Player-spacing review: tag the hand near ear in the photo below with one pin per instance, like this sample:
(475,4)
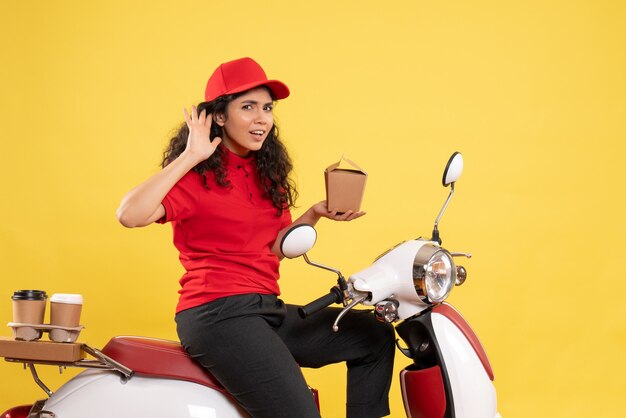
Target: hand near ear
(199,143)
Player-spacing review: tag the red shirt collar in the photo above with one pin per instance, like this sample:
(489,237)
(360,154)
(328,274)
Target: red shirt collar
(236,161)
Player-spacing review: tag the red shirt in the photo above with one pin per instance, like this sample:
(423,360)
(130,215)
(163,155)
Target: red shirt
(224,234)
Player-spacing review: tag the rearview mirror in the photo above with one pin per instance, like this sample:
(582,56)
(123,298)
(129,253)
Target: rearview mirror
(453,170)
(298,240)
(451,174)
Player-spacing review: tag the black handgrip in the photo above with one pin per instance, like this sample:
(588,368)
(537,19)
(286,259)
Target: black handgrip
(334,296)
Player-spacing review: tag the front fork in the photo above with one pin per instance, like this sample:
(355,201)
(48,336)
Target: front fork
(426,388)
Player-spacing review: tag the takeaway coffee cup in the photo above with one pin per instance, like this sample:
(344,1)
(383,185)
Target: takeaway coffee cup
(65,309)
(29,306)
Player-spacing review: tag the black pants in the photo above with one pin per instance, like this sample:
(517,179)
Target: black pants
(255,344)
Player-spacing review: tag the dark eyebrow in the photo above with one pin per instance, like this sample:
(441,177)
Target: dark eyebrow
(254,102)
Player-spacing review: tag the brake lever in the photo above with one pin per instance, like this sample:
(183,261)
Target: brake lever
(345,310)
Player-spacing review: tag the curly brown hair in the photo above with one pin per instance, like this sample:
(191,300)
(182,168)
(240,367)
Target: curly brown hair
(273,164)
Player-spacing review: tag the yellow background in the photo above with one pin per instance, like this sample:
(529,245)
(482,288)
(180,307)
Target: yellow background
(532,93)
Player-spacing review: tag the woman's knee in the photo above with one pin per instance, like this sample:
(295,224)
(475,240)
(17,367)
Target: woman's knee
(377,330)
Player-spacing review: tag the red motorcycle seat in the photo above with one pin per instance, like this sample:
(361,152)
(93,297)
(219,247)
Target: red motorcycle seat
(159,358)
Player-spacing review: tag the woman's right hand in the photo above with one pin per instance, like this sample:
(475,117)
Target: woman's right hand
(199,143)
(143,204)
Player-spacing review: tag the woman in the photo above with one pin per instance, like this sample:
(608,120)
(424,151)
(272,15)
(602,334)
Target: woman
(224,187)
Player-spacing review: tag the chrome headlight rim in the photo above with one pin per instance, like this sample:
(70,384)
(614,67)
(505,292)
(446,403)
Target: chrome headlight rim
(425,255)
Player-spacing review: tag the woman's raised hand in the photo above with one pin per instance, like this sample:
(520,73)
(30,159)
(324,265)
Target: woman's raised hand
(199,142)
(321,210)
(143,204)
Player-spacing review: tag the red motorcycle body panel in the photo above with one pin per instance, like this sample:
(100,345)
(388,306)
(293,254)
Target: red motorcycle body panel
(159,358)
(17,412)
(163,358)
(423,393)
(456,318)
(316,396)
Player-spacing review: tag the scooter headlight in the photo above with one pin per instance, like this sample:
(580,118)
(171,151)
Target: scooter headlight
(434,273)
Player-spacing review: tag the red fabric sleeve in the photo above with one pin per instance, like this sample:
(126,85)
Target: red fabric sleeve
(181,201)
(285,219)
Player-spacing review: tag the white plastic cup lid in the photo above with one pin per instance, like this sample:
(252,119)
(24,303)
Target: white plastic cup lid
(67,298)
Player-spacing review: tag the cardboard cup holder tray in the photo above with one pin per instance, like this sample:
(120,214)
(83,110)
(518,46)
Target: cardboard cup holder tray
(32,332)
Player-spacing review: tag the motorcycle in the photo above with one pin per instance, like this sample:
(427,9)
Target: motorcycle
(450,375)
(407,285)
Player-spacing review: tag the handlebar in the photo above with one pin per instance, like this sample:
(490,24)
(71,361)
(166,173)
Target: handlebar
(334,296)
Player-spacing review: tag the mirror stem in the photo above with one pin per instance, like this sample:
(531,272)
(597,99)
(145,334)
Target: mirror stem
(445,205)
(324,267)
(341,281)
(435,236)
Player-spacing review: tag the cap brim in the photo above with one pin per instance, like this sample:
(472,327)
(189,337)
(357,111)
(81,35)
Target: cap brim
(278,88)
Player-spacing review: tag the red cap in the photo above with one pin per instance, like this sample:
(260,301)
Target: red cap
(241,75)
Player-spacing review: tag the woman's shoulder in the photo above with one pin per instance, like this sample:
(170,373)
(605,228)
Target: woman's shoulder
(193,179)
